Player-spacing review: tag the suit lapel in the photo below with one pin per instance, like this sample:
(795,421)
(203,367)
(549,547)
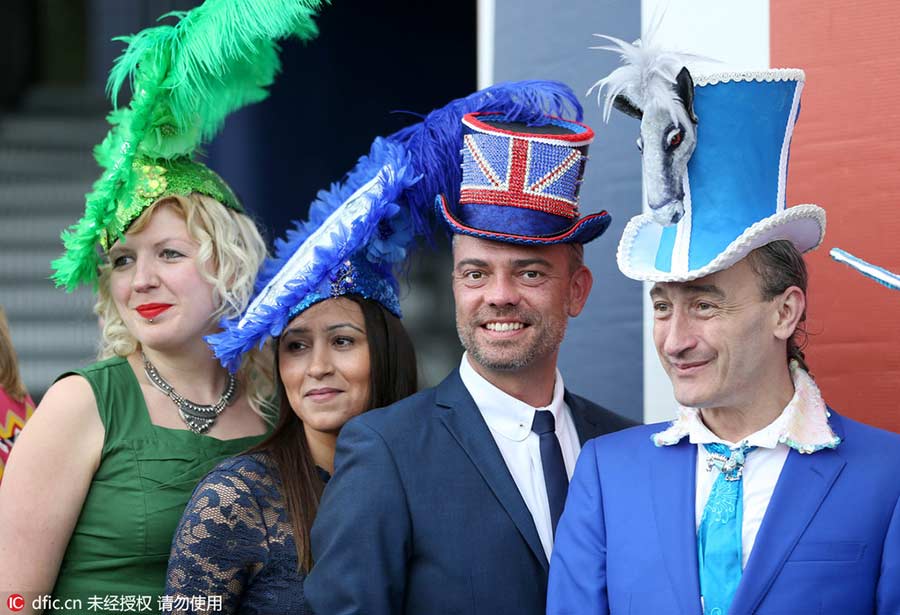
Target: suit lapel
(674,483)
(585,425)
(804,482)
(465,423)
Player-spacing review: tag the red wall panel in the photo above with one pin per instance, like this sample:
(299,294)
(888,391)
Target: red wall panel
(846,157)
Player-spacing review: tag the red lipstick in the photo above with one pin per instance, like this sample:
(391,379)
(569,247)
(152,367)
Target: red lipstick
(152,310)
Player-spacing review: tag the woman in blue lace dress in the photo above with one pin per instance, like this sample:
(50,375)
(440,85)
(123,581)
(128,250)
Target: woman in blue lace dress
(243,543)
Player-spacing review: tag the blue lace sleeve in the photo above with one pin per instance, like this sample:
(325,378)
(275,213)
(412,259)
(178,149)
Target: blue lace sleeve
(220,544)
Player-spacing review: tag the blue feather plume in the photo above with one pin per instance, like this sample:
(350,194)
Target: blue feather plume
(381,153)
(260,321)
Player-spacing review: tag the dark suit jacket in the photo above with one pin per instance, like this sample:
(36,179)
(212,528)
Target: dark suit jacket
(829,541)
(422,516)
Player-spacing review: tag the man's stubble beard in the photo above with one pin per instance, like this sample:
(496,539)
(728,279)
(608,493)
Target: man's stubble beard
(548,341)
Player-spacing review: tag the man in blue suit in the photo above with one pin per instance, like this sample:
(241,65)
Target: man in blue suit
(757,498)
(447,502)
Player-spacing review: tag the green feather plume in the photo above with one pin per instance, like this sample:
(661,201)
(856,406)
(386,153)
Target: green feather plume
(185,78)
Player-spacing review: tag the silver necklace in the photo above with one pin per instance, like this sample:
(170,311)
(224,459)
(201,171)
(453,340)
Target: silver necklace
(198,417)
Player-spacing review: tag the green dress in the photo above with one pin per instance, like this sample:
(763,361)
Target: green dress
(120,545)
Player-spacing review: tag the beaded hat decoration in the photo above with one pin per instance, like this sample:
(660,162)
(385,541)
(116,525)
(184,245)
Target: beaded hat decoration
(715,151)
(155,179)
(520,183)
(185,79)
(361,230)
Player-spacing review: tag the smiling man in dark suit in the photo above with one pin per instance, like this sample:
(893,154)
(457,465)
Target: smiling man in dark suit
(447,502)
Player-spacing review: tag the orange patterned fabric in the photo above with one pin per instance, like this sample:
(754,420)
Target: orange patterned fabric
(13,415)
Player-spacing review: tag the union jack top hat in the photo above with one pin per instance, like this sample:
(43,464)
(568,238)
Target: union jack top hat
(520,183)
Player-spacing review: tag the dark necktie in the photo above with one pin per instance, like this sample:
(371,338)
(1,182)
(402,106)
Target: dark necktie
(555,477)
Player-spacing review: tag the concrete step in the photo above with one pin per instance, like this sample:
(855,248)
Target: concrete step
(36,230)
(62,100)
(52,132)
(45,195)
(42,301)
(29,265)
(48,339)
(20,163)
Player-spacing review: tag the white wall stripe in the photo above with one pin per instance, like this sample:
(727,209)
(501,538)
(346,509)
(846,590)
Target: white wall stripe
(486,24)
(736,33)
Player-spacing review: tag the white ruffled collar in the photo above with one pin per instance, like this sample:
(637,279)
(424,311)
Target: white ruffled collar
(803,425)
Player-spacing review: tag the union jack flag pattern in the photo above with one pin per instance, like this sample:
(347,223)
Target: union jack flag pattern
(520,183)
(532,171)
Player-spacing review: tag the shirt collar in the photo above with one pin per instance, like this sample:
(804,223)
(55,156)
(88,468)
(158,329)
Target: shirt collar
(802,425)
(503,413)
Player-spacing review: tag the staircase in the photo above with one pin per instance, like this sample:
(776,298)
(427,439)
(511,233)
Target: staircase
(46,168)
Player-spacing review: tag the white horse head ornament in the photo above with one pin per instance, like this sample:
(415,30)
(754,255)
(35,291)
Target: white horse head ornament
(655,87)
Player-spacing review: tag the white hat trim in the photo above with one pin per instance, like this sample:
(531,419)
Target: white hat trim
(764,231)
(786,147)
(769,75)
(681,250)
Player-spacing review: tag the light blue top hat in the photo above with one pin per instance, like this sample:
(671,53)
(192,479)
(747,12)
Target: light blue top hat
(715,151)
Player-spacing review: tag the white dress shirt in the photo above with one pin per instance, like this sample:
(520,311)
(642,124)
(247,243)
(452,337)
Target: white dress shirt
(802,425)
(761,471)
(510,423)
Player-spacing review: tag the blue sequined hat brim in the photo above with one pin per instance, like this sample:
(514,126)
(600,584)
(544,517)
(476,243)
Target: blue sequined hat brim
(581,231)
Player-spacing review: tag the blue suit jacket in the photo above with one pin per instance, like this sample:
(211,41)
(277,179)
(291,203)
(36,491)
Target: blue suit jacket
(422,515)
(829,541)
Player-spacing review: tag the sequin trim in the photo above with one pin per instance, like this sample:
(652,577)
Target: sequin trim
(157,179)
(353,277)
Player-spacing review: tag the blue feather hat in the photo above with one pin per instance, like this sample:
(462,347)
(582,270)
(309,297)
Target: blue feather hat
(361,229)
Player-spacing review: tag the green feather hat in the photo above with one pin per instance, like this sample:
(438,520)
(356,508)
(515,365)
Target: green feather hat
(185,79)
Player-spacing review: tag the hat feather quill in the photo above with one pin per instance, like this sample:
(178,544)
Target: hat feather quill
(185,79)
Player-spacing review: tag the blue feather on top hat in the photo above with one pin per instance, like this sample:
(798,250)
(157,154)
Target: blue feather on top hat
(715,151)
(361,229)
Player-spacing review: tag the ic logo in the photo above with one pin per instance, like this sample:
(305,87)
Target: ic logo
(15,602)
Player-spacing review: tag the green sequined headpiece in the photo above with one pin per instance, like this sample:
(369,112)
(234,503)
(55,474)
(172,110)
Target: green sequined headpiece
(160,178)
(185,79)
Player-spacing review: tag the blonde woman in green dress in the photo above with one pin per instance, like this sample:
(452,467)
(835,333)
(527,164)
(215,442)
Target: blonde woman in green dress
(99,477)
